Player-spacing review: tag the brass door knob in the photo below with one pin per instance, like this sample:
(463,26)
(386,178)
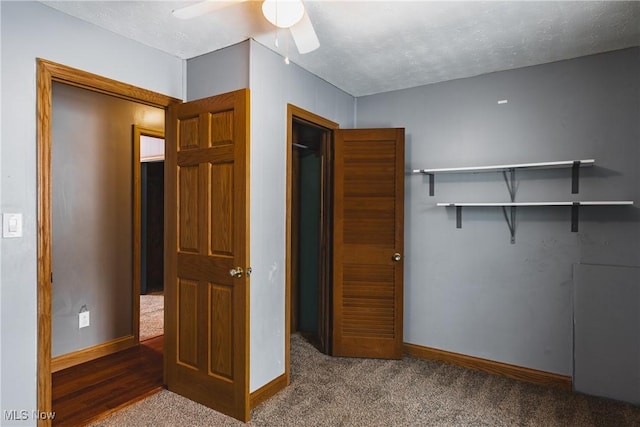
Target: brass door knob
(236,272)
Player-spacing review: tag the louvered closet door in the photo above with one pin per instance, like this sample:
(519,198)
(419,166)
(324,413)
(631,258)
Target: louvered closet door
(207,326)
(368,239)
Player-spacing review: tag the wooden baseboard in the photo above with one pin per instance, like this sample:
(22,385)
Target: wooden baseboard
(268,390)
(77,357)
(511,371)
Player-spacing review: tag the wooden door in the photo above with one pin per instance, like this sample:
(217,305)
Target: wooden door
(368,242)
(207,310)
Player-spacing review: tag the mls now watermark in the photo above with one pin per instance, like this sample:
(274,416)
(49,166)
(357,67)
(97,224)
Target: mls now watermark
(23,414)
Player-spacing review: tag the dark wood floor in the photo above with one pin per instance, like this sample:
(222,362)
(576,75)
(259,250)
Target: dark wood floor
(94,389)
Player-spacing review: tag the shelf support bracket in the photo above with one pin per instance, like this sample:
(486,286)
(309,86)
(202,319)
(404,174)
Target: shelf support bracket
(511,182)
(511,221)
(575,177)
(510,217)
(575,216)
(431,184)
(458,216)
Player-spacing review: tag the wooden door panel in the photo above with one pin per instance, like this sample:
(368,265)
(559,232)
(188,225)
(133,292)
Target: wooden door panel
(199,155)
(189,132)
(369,170)
(207,329)
(188,323)
(367,221)
(369,301)
(197,268)
(367,255)
(188,189)
(222,215)
(222,128)
(221,330)
(368,231)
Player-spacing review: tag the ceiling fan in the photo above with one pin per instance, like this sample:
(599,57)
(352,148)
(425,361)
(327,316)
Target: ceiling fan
(289,14)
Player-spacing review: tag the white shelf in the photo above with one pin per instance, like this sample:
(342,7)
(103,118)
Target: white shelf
(514,204)
(510,180)
(502,168)
(509,174)
(511,216)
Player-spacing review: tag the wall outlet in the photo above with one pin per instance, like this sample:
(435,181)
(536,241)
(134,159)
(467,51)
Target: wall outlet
(83,319)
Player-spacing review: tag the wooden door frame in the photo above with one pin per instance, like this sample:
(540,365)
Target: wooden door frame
(313,119)
(47,73)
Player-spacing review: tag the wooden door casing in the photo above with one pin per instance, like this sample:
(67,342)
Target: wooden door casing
(368,231)
(207,310)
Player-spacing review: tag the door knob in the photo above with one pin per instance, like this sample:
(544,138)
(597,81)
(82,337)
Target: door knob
(236,272)
(397,257)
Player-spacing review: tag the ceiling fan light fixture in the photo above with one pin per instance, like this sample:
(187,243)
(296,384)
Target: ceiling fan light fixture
(283,13)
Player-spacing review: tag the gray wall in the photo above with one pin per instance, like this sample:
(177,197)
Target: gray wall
(30,30)
(273,85)
(469,290)
(222,71)
(607,331)
(92,214)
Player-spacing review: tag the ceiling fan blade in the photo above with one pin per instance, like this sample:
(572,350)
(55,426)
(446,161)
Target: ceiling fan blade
(202,8)
(304,35)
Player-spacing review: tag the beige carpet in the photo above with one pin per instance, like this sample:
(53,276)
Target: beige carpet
(327,391)
(151,316)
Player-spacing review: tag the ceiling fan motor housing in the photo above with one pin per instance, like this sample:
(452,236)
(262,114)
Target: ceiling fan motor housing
(283,13)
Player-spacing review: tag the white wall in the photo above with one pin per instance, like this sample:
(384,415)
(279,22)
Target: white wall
(151,148)
(273,85)
(30,30)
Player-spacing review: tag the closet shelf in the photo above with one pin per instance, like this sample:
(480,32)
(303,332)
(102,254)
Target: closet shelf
(511,216)
(507,204)
(510,180)
(509,174)
(502,168)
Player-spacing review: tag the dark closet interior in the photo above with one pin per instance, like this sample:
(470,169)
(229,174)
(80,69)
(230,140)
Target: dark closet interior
(151,227)
(310,223)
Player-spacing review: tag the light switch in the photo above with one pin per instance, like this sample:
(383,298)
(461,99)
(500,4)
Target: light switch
(11,225)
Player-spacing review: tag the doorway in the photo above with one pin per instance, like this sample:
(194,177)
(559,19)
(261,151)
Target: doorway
(310,232)
(217,157)
(356,178)
(96,170)
(151,293)
(308,241)
(47,74)
(95,220)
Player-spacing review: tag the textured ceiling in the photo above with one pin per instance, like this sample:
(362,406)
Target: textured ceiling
(369,47)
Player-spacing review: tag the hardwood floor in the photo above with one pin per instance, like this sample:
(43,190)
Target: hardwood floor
(94,389)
